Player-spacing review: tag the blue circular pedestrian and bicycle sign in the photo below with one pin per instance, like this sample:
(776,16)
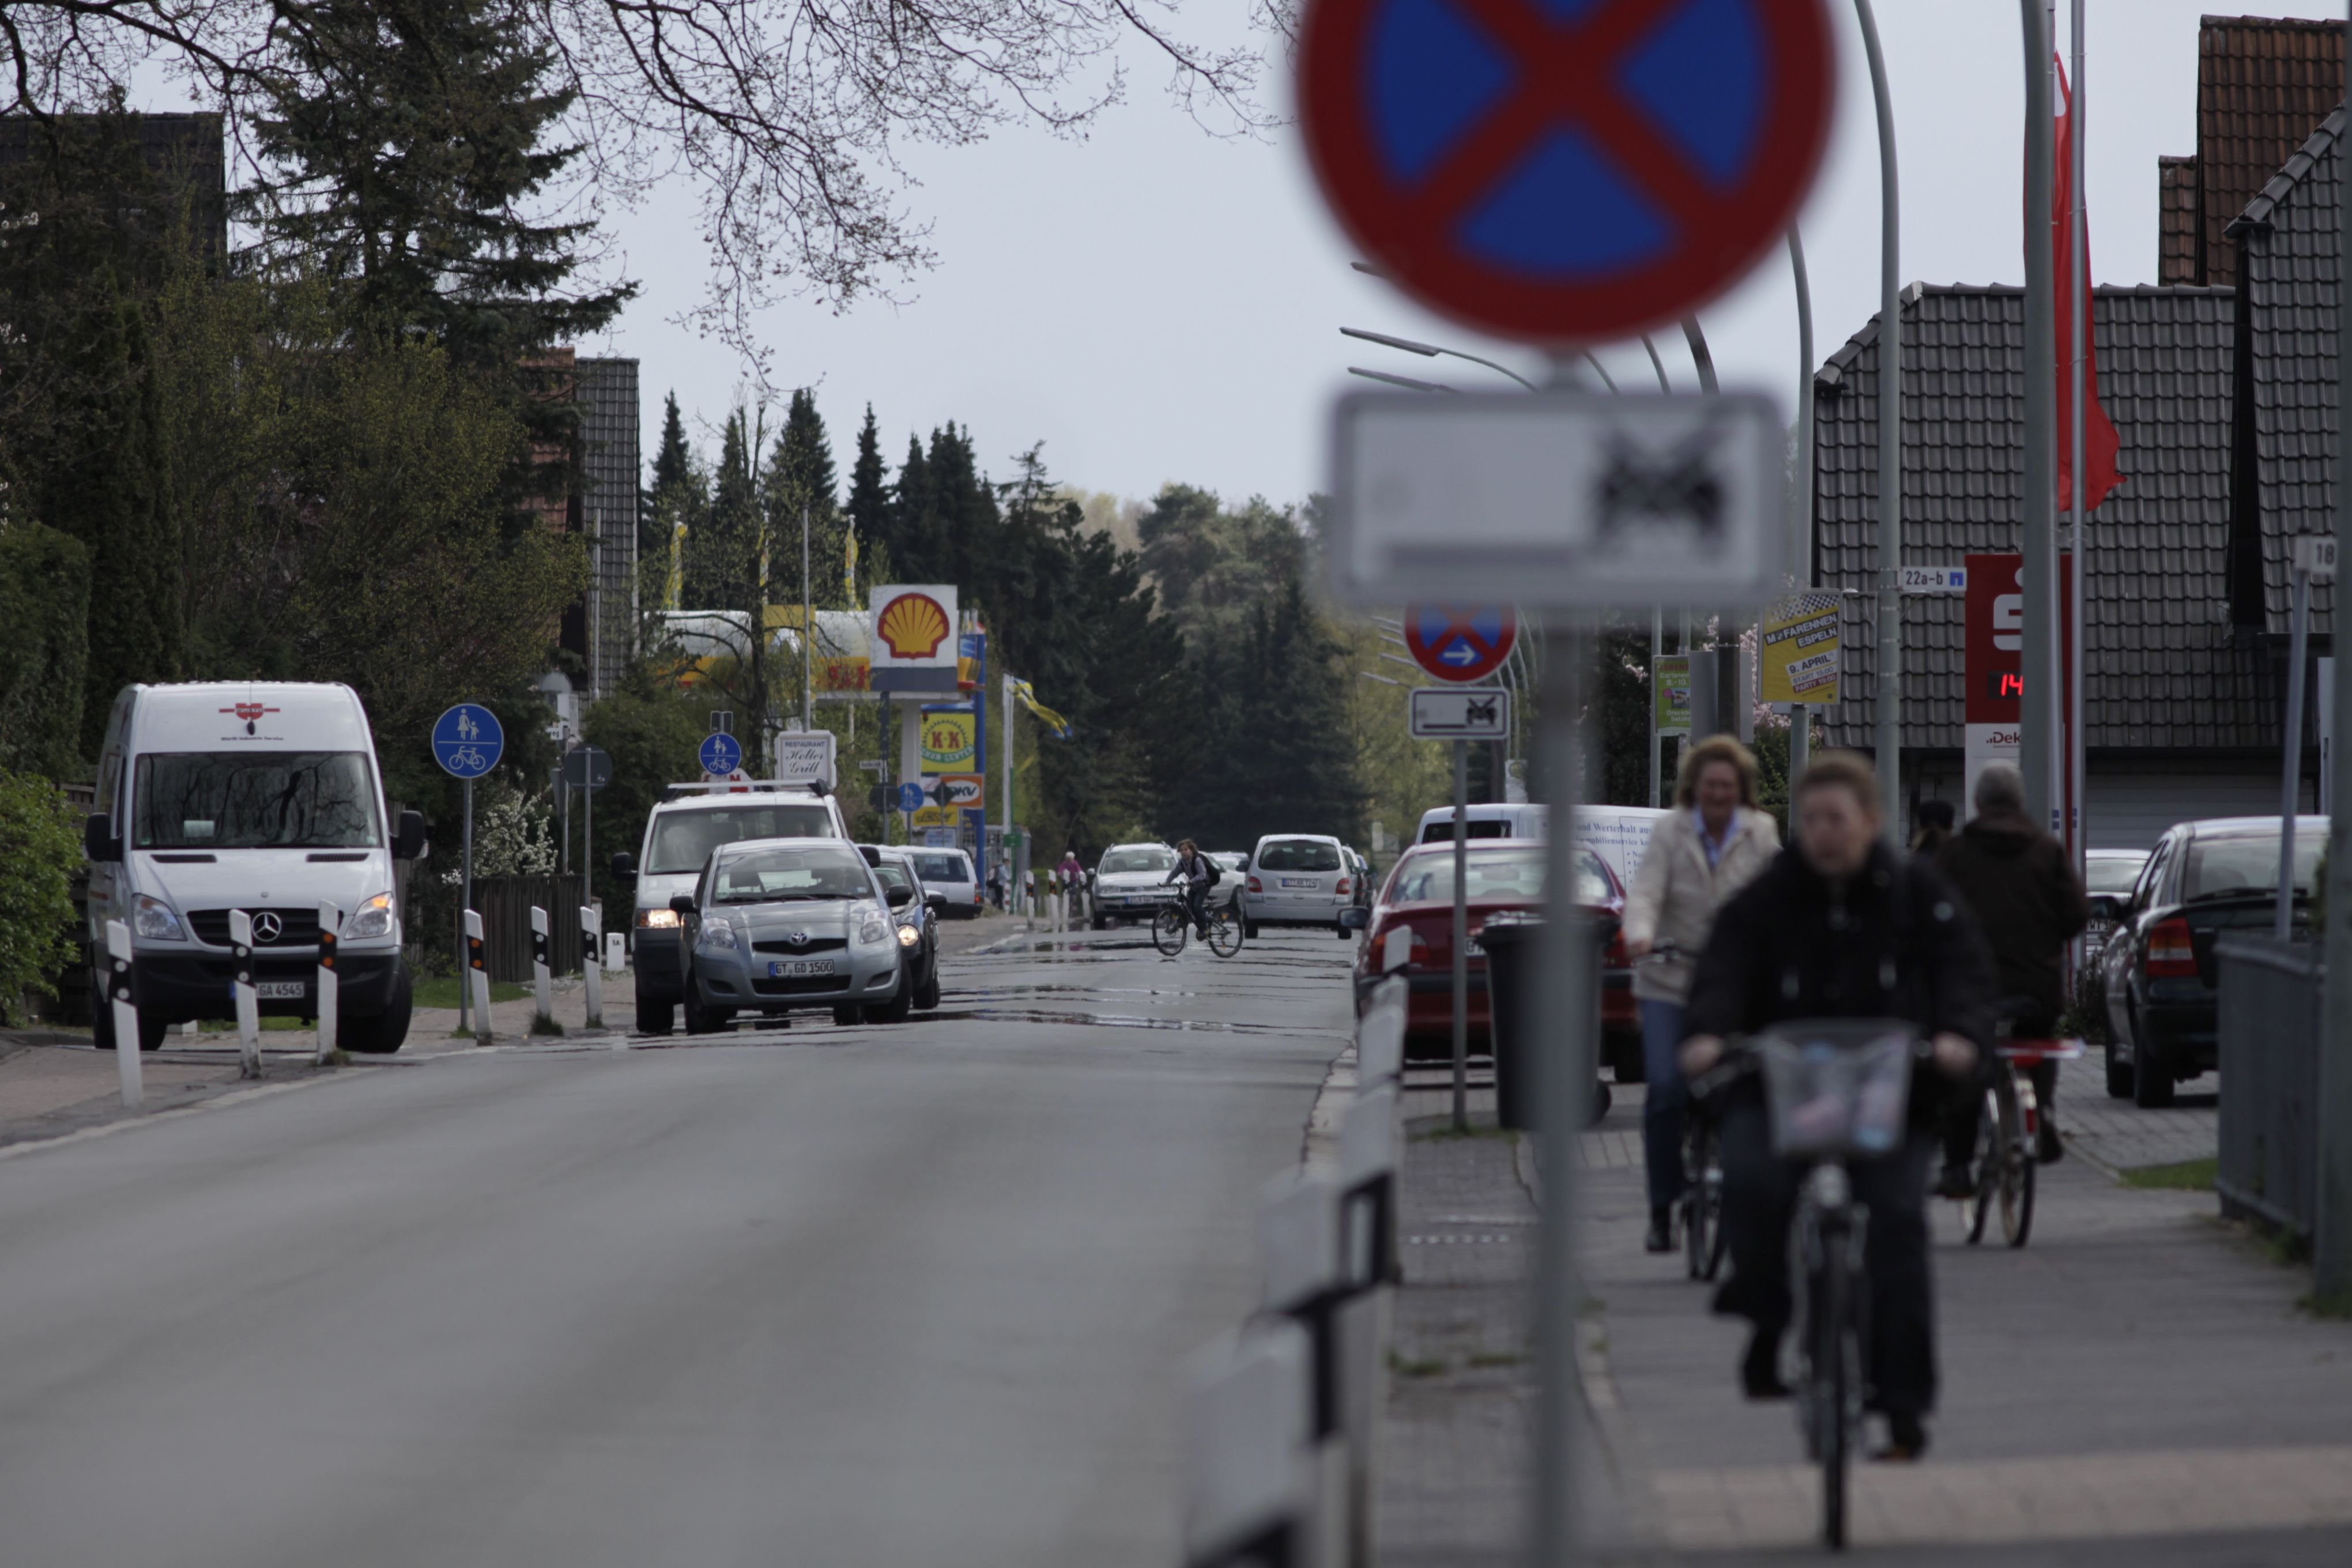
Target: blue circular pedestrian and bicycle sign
(720,754)
(467,741)
(911,798)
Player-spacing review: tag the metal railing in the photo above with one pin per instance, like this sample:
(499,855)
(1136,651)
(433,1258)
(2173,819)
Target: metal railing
(2270,1036)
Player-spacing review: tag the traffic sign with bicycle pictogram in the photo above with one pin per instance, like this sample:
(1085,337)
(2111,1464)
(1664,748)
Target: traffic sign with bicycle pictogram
(467,741)
(1460,642)
(1566,170)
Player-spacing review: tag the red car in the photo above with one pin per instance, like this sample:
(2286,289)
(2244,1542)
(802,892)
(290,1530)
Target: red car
(1503,873)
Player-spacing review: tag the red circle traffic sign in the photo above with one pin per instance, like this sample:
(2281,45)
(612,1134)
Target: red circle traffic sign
(1460,642)
(1564,171)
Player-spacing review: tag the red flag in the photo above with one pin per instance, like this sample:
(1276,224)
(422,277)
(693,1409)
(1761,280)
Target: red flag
(2099,443)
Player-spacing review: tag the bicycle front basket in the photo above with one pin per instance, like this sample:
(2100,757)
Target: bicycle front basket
(1836,1093)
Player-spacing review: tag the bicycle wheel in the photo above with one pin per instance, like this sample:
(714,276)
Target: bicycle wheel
(1698,1223)
(1169,929)
(1224,933)
(1990,1155)
(1720,1242)
(2016,1175)
(1831,1377)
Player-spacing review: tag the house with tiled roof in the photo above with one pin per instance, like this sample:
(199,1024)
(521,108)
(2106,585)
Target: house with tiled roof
(2262,82)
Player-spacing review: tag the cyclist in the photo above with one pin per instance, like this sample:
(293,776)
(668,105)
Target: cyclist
(1840,925)
(2020,884)
(1197,873)
(1712,844)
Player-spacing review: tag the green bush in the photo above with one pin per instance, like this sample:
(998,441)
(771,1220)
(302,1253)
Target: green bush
(44,647)
(38,851)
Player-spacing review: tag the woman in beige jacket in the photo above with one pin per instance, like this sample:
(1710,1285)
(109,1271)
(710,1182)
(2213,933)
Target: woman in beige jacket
(1715,841)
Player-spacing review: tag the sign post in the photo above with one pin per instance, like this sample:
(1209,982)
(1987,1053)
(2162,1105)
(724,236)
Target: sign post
(2315,560)
(588,769)
(467,742)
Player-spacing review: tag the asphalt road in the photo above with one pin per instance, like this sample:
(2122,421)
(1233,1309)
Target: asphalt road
(823,1297)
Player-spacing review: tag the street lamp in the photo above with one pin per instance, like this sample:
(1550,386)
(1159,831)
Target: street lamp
(1408,383)
(1430,350)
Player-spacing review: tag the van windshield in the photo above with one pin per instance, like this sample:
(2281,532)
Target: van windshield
(683,840)
(255,800)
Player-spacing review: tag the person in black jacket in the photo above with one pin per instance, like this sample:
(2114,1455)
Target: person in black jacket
(2019,883)
(1841,925)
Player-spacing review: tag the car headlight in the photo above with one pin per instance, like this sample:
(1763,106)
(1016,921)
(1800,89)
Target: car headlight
(875,931)
(909,936)
(371,919)
(153,918)
(657,920)
(717,932)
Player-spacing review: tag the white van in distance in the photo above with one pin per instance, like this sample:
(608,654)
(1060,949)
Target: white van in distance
(256,796)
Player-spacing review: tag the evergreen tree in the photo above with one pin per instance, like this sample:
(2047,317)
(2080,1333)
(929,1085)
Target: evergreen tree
(800,473)
(914,519)
(413,177)
(677,498)
(964,536)
(869,487)
(722,556)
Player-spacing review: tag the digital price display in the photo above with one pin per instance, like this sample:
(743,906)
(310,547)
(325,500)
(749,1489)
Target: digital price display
(2004,685)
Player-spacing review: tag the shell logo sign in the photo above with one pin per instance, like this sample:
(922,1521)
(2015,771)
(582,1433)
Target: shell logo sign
(914,646)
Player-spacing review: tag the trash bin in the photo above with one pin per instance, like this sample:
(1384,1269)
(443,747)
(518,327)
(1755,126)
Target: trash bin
(1511,943)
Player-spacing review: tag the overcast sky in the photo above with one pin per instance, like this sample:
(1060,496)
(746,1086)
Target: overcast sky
(1158,304)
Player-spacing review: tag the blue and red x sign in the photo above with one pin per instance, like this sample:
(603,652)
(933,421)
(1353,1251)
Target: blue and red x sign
(1460,642)
(1562,171)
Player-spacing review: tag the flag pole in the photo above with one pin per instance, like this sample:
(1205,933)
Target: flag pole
(2078,740)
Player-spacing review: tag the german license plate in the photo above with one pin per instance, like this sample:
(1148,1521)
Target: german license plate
(1299,882)
(799,968)
(281,990)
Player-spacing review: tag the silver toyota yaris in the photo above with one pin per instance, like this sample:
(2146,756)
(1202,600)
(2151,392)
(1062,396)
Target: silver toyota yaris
(779,924)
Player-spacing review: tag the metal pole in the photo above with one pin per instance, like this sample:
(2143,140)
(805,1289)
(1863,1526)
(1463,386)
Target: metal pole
(2079,280)
(1462,942)
(1800,564)
(1656,364)
(2332,1241)
(2039,578)
(1561,1028)
(1700,357)
(1889,694)
(2291,750)
(1657,742)
(465,902)
(1004,847)
(808,627)
(588,837)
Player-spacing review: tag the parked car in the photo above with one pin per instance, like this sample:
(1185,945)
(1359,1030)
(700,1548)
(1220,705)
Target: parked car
(1297,879)
(1503,873)
(2160,977)
(2109,876)
(950,872)
(257,795)
(919,918)
(1131,882)
(683,829)
(776,925)
(1362,880)
(1234,864)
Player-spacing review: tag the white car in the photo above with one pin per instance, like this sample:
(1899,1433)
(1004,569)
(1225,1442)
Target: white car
(1131,882)
(949,872)
(1299,880)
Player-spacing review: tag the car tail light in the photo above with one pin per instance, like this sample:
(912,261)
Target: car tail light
(1256,886)
(1342,889)
(1422,955)
(2171,951)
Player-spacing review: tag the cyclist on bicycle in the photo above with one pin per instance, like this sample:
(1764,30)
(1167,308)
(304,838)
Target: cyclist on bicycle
(1197,875)
(1714,843)
(1840,925)
(2019,883)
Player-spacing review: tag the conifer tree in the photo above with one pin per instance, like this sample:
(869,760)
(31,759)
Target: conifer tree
(677,498)
(800,473)
(914,518)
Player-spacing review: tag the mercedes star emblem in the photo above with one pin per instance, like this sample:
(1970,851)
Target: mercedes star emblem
(268,927)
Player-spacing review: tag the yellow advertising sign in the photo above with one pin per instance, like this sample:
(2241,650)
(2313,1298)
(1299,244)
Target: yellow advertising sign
(1801,649)
(949,743)
(935,816)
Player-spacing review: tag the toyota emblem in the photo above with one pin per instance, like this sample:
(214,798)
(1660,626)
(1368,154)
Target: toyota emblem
(798,939)
(268,927)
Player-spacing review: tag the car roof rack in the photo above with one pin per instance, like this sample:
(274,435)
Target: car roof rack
(743,786)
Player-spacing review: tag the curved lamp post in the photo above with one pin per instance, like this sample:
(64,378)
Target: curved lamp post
(1889,693)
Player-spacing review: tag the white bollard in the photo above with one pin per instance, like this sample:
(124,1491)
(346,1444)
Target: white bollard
(592,962)
(331,983)
(541,990)
(1396,949)
(478,977)
(126,1014)
(248,1007)
(1249,1480)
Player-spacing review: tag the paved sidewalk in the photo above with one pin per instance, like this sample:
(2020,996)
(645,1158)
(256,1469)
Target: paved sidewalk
(2136,1386)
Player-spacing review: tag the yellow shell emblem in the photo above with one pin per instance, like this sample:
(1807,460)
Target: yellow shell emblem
(912,625)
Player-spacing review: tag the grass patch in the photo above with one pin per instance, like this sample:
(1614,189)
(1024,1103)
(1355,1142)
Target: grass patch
(443,993)
(2187,1176)
(1449,1133)
(539,1026)
(1498,1358)
(268,1026)
(1415,1368)
(2338,1307)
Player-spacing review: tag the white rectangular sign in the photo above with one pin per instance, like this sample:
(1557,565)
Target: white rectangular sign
(2315,553)
(1558,499)
(1933,579)
(805,756)
(1461,713)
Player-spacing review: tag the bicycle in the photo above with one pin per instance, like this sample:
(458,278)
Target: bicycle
(1835,1090)
(1700,1208)
(1172,927)
(2009,1127)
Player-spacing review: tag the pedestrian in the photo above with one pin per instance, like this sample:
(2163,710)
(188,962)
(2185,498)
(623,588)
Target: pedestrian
(1072,873)
(2020,882)
(1841,925)
(1714,843)
(1934,829)
(996,886)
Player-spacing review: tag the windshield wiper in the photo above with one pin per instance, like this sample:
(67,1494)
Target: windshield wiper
(2219,893)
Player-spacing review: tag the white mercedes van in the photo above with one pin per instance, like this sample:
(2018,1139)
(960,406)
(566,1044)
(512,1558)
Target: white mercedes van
(257,795)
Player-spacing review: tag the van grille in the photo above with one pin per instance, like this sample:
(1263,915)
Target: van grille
(298,928)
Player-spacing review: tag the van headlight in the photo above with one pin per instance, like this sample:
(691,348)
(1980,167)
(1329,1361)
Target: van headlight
(371,919)
(717,932)
(153,918)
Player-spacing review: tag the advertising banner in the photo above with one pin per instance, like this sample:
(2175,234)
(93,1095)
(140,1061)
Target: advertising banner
(935,817)
(915,642)
(950,740)
(1993,661)
(1801,649)
(1670,690)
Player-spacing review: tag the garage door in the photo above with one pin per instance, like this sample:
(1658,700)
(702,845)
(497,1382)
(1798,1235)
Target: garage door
(2131,809)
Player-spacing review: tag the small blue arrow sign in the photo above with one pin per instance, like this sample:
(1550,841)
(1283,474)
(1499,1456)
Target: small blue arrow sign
(911,798)
(467,741)
(720,755)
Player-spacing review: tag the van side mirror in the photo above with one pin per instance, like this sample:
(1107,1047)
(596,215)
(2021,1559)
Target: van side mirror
(899,898)
(2107,907)
(408,839)
(99,843)
(624,863)
(681,903)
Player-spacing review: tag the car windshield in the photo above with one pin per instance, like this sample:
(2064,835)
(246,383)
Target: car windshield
(942,868)
(683,840)
(1298,855)
(1148,857)
(769,875)
(1496,874)
(2117,876)
(2246,864)
(256,800)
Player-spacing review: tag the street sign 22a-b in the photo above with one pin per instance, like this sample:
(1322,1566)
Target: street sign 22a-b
(1461,713)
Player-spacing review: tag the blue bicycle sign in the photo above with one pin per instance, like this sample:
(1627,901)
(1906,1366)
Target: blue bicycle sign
(720,755)
(467,741)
